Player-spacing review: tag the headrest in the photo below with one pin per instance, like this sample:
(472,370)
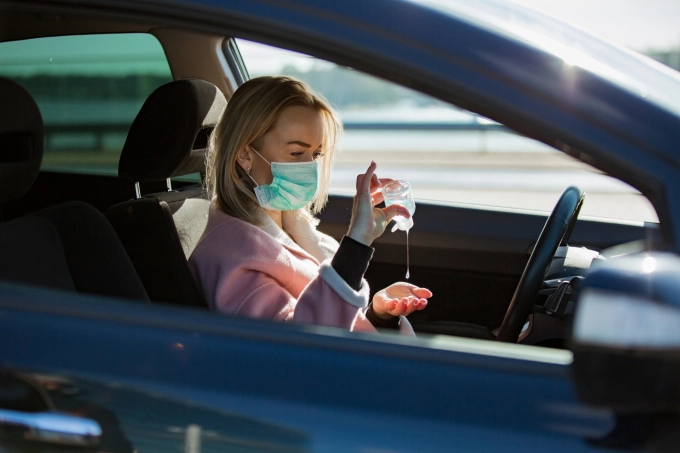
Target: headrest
(169,137)
(21,141)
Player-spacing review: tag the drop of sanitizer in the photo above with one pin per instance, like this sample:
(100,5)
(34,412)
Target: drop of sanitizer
(399,192)
(408,274)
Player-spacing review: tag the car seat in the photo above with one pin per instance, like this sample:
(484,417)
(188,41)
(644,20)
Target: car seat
(68,247)
(168,138)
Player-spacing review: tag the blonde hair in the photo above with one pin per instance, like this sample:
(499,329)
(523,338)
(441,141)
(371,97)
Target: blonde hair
(250,113)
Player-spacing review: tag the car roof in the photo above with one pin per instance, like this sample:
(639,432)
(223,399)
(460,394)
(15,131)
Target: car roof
(629,70)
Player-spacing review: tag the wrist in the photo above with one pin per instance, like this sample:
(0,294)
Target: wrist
(359,237)
(381,323)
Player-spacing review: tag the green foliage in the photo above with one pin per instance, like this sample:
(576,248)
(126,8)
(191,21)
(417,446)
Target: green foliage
(670,58)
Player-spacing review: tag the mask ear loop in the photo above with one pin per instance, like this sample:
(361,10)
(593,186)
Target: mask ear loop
(270,164)
(248,169)
(248,173)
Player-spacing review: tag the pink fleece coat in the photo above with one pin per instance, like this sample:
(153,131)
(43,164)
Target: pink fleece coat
(262,272)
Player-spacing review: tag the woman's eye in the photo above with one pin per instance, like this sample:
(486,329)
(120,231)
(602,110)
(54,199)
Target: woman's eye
(317,155)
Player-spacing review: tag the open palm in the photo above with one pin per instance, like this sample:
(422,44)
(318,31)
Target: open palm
(400,299)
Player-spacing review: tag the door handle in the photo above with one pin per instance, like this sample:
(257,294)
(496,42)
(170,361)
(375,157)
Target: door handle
(52,427)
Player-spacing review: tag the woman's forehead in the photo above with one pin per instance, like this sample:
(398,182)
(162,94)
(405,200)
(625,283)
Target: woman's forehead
(299,124)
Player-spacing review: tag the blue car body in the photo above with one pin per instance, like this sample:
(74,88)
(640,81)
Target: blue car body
(255,386)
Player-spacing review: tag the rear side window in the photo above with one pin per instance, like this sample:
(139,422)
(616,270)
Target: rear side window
(89,88)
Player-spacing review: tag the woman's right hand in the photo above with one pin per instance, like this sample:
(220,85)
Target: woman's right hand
(369,222)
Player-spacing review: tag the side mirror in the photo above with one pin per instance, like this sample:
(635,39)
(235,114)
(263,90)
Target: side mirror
(626,334)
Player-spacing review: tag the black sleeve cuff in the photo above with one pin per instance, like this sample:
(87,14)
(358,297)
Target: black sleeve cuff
(351,261)
(380,323)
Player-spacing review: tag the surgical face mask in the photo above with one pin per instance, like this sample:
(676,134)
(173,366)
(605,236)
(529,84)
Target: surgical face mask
(293,187)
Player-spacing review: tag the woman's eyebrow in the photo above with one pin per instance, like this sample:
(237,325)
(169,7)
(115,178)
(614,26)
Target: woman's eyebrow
(297,142)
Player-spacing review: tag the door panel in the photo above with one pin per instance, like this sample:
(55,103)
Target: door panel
(131,419)
(266,386)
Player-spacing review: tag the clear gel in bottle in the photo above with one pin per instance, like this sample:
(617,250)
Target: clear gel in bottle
(399,192)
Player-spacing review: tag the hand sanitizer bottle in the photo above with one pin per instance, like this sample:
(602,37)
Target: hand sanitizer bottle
(399,192)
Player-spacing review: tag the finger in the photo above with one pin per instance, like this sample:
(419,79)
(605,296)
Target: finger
(360,179)
(366,181)
(375,182)
(395,210)
(383,305)
(390,305)
(422,293)
(377,197)
(411,307)
(377,194)
(400,307)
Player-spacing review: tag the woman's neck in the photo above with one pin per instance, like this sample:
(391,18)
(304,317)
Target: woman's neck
(276,217)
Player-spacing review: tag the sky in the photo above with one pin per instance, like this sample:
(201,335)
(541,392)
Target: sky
(637,24)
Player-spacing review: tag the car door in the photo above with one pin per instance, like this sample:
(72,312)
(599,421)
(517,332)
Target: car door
(168,377)
(164,378)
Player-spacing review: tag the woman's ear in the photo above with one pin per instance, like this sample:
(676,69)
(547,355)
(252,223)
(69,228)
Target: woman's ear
(244,159)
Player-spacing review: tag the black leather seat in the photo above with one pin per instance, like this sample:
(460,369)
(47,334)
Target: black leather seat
(69,247)
(159,230)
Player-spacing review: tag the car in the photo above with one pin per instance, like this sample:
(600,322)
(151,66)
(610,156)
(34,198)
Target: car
(546,330)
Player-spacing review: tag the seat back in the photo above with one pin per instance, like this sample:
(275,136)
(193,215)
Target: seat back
(21,141)
(168,138)
(69,247)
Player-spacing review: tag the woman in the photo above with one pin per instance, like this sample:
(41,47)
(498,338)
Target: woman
(260,254)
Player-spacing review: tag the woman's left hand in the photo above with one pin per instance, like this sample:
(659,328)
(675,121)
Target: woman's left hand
(400,299)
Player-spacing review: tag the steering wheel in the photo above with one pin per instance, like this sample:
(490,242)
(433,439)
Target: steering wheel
(556,231)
